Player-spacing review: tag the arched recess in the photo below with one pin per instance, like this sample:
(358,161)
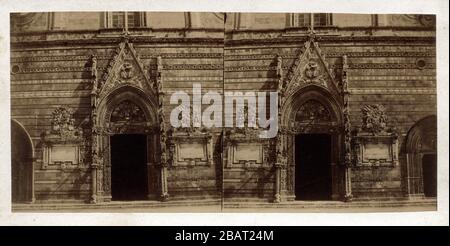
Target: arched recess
(313,110)
(421,155)
(126,110)
(22,153)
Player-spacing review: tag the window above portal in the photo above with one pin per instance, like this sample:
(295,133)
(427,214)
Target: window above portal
(305,20)
(125,19)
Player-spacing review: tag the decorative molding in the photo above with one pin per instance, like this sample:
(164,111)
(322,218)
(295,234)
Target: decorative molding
(350,66)
(94,40)
(251,80)
(58,57)
(193,67)
(331,39)
(191,78)
(374,151)
(382,54)
(236,142)
(394,91)
(390,66)
(51,81)
(53,69)
(184,150)
(182,55)
(147,67)
(50,94)
(393,77)
(252,68)
(333,54)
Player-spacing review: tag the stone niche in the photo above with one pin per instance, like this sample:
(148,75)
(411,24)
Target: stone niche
(63,145)
(191,150)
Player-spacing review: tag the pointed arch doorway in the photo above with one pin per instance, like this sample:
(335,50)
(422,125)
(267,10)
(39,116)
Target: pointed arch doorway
(313,135)
(128,145)
(129,172)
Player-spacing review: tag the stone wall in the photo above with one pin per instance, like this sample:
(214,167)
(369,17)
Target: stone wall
(50,67)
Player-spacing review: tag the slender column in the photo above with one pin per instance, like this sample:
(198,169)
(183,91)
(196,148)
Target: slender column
(164,190)
(162,131)
(94,184)
(94,131)
(348,184)
(279,161)
(277,197)
(33,198)
(347,132)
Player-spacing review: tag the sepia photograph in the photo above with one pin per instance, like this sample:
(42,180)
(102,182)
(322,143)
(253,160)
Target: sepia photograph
(223,112)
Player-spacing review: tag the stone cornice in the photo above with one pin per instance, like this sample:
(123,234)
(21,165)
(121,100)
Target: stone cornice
(25,42)
(333,39)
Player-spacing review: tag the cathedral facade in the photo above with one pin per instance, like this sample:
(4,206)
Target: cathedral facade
(91,106)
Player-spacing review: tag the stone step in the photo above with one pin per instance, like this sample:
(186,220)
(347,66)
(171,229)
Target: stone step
(115,205)
(235,204)
(334,204)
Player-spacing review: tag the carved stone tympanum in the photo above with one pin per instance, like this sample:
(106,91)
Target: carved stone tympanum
(312,111)
(127,111)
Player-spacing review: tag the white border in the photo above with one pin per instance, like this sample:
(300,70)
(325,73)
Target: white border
(439,7)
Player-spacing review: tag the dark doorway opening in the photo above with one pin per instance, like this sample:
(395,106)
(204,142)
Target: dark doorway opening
(429,172)
(21,165)
(312,167)
(129,167)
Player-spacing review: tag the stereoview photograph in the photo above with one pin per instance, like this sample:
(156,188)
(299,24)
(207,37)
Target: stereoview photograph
(223,112)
